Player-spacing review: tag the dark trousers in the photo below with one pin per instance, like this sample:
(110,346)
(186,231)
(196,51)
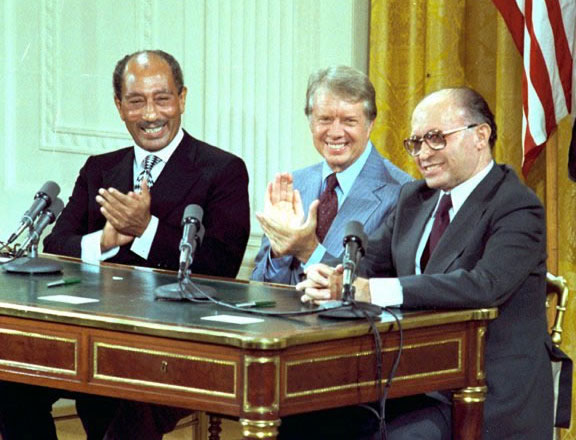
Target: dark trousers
(137,421)
(26,412)
(411,418)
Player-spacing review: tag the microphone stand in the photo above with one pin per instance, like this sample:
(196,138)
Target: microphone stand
(348,307)
(31,263)
(185,289)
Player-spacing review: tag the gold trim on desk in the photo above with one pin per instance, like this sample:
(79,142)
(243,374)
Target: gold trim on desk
(37,367)
(249,360)
(370,383)
(140,327)
(470,394)
(480,335)
(230,338)
(261,429)
(100,376)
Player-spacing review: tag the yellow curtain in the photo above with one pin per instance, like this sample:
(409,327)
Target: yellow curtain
(418,46)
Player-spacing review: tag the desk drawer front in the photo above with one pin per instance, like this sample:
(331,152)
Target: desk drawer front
(314,375)
(163,369)
(38,352)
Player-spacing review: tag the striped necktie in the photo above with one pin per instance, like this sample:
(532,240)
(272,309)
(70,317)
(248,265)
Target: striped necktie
(149,162)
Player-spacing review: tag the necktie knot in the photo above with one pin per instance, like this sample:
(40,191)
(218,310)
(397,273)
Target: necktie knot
(331,182)
(444,205)
(149,162)
(327,207)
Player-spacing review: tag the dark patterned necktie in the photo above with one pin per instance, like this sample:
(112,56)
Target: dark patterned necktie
(441,222)
(327,208)
(149,162)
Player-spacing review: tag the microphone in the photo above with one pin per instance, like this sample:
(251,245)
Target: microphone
(32,264)
(192,237)
(42,200)
(354,240)
(347,308)
(47,217)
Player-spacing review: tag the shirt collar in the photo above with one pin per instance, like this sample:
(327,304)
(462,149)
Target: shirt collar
(460,193)
(164,154)
(347,177)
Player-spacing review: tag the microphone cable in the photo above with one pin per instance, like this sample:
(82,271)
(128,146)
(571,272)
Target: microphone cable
(10,254)
(185,288)
(383,391)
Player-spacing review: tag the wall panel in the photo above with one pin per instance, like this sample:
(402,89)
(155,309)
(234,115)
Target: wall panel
(245,62)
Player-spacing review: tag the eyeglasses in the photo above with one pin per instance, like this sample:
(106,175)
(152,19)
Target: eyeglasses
(435,139)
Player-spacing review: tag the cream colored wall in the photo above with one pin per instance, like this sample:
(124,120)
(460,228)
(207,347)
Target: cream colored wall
(245,62)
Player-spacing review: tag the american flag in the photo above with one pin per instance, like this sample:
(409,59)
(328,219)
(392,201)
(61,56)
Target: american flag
(544,32)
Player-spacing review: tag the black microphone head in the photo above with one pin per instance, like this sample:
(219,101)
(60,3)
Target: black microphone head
(42,200)
(49,189)
(192,212)
(354,231)
(354,228)
(56,207)
(200,234)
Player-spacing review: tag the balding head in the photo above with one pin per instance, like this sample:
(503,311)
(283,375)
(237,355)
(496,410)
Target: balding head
(142,57)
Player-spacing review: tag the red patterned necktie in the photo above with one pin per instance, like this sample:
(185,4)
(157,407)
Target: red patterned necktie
(441,222)
(327,208)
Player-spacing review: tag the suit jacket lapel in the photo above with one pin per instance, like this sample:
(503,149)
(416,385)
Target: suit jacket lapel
(117,176)
(309,187)
(365,197)
(455,239)
(411,225)
(177,173)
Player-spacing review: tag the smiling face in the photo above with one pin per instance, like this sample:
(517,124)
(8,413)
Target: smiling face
(467,152)
(340,129)
(150,105)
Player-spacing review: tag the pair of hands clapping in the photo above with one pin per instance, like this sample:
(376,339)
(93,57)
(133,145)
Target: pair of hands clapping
(291,233)
(127,215)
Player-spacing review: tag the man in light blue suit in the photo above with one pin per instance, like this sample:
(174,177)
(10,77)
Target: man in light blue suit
(341,109)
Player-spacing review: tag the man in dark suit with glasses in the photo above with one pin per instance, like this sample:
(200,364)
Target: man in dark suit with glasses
(469,235)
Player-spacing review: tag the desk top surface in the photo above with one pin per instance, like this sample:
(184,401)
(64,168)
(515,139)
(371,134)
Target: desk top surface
(126,302)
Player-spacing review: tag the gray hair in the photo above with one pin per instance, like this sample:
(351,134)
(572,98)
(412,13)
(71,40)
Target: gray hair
(345,82)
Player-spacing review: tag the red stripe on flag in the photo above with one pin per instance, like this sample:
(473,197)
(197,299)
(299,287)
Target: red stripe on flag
(559,17)
(528,144)
(514,20)
(563,55)
(539,73)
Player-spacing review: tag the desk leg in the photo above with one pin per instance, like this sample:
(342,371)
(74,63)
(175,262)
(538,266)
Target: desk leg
(214,427)
(468,413)
(259,429)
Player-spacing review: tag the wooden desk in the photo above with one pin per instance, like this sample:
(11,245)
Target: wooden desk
(129,345)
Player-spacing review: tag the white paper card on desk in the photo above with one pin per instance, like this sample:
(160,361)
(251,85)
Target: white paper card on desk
(68,299)
(231,319)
